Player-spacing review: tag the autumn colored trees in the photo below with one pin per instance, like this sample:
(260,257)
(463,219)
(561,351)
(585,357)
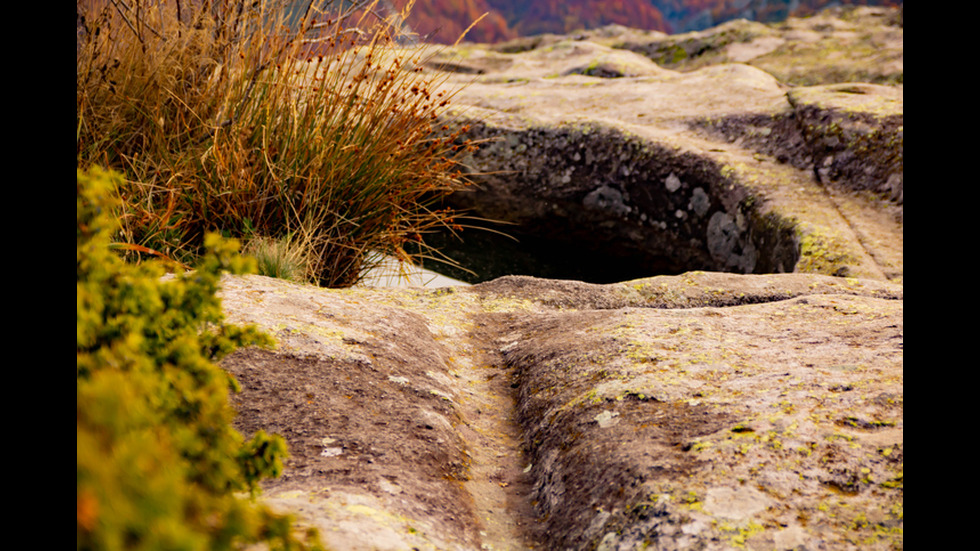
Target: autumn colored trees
(443,21)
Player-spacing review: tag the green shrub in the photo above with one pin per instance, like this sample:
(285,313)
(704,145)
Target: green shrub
(257,118)
(158,462)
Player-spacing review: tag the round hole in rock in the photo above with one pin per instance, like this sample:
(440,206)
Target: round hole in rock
(597,205)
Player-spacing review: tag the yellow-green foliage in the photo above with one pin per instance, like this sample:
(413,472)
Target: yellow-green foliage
(158,462)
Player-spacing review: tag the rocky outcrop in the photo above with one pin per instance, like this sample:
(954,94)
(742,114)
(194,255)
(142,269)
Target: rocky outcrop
(841,44)
(720,166)
(719,407)
(697,411)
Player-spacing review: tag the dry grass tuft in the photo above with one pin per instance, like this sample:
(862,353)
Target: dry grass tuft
(266,120)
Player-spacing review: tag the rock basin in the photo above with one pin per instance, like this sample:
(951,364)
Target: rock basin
(597,150)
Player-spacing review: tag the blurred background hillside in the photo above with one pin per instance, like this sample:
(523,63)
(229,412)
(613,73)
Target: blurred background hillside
(443,21)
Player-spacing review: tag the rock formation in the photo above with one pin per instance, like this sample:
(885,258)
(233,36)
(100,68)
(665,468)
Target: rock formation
(699,411)
(725,167)
(722,405)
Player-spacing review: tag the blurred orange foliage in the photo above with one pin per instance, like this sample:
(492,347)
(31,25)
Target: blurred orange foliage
(443,21)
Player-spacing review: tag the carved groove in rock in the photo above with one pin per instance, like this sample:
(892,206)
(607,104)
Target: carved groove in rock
(705,410)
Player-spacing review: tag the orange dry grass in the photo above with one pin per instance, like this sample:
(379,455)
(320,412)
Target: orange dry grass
(265,121)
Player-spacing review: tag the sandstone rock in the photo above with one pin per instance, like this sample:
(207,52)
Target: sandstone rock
(646,170)
(702,410)
(725,406)
(844,44)
(552,58)
(856,135)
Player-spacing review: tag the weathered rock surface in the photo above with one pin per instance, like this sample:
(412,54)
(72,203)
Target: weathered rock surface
(696,411)
(727,406)
(722,165)
(842,44)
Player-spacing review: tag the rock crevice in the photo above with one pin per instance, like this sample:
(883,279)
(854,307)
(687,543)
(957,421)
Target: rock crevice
(705,410)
